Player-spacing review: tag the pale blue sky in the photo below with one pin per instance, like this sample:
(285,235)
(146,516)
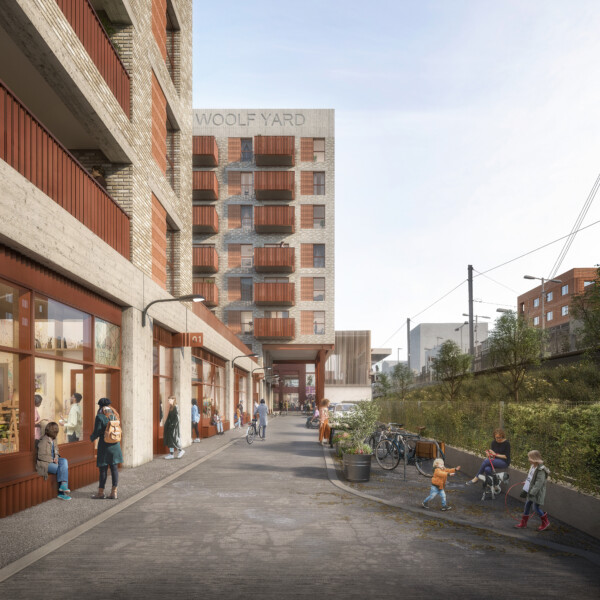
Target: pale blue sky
(466,132)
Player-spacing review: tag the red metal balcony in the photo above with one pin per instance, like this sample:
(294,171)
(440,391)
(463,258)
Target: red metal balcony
(29,148)
(205,186)
(274,294)
(205,151)
(209,290)
(274,219)
(205,259)
(205,219)
(283,329)
(274,185)
(88,28)
(274,150)
(274,260)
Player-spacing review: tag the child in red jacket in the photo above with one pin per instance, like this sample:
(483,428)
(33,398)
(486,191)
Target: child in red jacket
(438,483)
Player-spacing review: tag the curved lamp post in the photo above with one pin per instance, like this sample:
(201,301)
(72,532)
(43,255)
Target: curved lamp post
(253,355)
(188,297)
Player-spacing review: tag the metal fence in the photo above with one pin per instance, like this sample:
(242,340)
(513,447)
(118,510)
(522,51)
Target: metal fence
(566,433)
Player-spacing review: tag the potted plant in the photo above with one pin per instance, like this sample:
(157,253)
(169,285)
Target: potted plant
(356,454)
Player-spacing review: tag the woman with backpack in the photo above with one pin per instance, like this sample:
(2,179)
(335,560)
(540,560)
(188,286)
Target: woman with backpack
(107,428)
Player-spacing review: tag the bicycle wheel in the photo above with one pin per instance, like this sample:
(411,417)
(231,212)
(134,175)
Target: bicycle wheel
(250,434)
(387,455)
(425,465)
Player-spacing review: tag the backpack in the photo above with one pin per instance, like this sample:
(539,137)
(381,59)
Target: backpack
(112,433)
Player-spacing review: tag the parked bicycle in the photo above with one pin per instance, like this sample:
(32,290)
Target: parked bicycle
(403,444)
(253,431)
(382,432)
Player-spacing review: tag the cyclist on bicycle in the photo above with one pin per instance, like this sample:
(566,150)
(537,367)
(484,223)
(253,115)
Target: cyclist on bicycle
(262,411)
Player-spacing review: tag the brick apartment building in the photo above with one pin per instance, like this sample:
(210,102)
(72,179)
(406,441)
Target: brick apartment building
(557,302)
(263,231)
(96,171)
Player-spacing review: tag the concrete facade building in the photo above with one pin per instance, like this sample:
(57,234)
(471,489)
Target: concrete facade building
(96,170)
(264,221)
(426,338)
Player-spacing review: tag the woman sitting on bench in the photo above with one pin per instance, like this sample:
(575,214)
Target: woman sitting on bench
(499,456)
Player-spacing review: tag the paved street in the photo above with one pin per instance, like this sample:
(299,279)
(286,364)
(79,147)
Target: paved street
(266,521)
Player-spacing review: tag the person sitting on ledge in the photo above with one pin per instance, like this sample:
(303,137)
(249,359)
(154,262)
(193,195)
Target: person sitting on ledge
(498,456)
(49,460)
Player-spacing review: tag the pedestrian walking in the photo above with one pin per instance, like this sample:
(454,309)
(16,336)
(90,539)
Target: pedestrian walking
(262,411)
(438,483)
(109,453)
(50,461)
(324,429)
(534,490)
(172,435)
(195,420)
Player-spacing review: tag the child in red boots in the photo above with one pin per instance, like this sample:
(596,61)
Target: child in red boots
(535,490)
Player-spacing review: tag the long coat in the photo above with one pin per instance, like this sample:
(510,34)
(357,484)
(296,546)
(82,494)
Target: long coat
(108,454)
(172,436)
(537,487)
(44,455)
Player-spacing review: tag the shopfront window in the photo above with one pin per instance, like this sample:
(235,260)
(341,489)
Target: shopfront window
(61,330)
(57,382)
(9,315)
(9,403)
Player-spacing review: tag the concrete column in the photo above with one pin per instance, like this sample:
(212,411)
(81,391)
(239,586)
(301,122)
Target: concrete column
(136,389)
(182,389)
(229,389)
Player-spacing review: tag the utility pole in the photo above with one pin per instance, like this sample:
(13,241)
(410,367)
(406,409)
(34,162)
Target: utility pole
(471,332)
(408,341)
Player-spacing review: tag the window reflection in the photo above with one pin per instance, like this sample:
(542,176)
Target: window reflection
(9,315)
(9,403)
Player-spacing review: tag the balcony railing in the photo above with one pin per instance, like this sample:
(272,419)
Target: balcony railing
(205,259)
(274,260)
(29,148)
(274,150)
(282,294)
(88,28)
(274,328)
(205,186)
(205,151)
(274,185)
(274,219)
(205,219)
(209,290)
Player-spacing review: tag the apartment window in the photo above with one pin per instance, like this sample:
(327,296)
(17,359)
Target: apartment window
(549,316)
(247,255)
(246,289)
(586,283)
(246,216)
(536,320)
(319,322)
(247,149)
(246,321)
(549,296)
(277,280)
(277,314)
(319,216)
(170,261)
(246,184)
(319,150)
(536,302)
(171,161)
(564,289)
(522,307)
(318,255)
(319,289)
(318,183)
(564,311)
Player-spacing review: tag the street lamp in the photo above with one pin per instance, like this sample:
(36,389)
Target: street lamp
(504,310)
(253,355)
(543,293)
(186,298)
(399,355)
(477,317)
(460,328)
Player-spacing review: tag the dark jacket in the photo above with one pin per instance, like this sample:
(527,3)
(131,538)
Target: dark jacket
(172,439)
(44,455)
(108,454)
